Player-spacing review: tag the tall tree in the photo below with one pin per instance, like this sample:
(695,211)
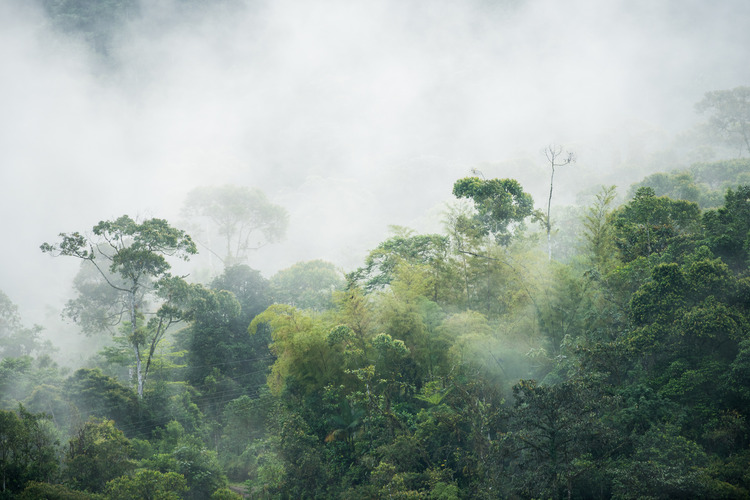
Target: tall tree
(242,217)
(501,205)
(136,253)
(556,158)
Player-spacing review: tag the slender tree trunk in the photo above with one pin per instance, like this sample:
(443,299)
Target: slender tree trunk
(549,207)
(138,372)
(136,349)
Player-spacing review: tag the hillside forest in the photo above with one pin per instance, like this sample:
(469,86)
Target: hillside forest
(588,344)
(527,351)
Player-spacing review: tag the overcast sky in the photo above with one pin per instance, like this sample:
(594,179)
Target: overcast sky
(352,115)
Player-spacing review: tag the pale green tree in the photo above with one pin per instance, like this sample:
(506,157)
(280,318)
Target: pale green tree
(136,253)
(242,218)
(729,115)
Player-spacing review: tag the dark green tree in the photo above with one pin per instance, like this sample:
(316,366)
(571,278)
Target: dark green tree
(727,229)
(648,224)
(95,394)
(28,450)
(222,359)
(97,453)
(559,437)
(501,205)
(147,485)
(35,490)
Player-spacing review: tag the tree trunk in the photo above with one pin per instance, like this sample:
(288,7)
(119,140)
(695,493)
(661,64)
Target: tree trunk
(549,207)
(138,371)
(134,341)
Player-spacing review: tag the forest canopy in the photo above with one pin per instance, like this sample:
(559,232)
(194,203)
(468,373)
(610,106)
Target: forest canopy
(457,365)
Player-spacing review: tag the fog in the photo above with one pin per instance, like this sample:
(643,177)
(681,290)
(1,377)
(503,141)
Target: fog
(351,115)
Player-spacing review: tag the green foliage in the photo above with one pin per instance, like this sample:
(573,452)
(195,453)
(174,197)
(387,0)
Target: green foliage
(721,175)
(186,456)
(225,494)
(36,490)
(147,485)
(307,285)
(702,183)
(675,185)
(304,358)
(501,205)
(97,453)
(728,228)
(222,359)
(558,436)
(429,250)
(28,450)
(648,224)
(634,369)
(137,254)
(664,465)
(98,395)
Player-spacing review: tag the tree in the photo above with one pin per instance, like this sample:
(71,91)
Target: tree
(501,205)
(728,228)
(35,490)
(137,254)
(147,485)
(554,155)
(730,115)
(303,355)
(649,223)
(307,285)
(97,453)
(27,450)
(218,338)
(15,339)
(431,252)
(242,217)
(598,232)
(98,395)
(559,436)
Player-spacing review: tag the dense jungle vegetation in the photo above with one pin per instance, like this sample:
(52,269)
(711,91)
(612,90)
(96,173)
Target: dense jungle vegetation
(528,350)
(467,364)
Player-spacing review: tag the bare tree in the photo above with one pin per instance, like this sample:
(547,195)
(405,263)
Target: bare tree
(556,158)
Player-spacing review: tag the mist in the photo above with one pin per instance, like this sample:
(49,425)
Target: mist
(353,116)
